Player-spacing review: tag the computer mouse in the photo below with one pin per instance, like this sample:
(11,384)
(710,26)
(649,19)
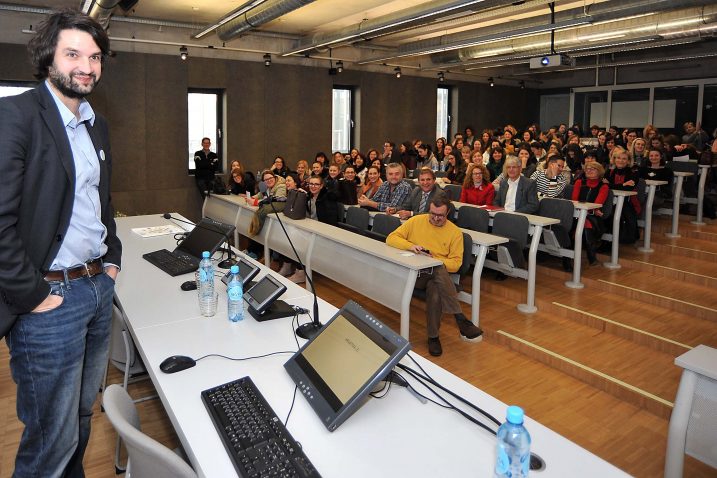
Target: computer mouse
(189,285)
(177,363)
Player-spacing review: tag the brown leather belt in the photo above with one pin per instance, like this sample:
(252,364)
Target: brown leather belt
(88,269)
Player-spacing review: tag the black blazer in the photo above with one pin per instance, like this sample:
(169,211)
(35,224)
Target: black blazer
(526,197)
(37,194)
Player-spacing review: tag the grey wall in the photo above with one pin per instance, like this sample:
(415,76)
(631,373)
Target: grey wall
(283,109)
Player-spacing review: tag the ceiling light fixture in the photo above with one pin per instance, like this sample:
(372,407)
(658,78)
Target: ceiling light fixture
(522,84)
(183,52)
(267,59)
(491,82)
(441,76)
(397,71)
(339,66)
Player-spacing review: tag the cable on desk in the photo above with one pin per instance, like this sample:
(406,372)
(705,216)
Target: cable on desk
(241,359)
(293,400)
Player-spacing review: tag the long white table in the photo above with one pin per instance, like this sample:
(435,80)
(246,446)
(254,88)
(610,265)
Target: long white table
(395,436)
(385,274)
(679,179)
(652,185)
(615,235)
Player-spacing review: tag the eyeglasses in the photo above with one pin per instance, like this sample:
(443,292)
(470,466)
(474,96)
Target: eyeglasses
(314,184)
(439,216)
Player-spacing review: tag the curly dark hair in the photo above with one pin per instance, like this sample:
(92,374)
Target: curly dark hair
(43,44)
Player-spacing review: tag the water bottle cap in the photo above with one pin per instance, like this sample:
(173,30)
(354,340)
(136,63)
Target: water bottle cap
(205,254)
(234,269)
(515,415)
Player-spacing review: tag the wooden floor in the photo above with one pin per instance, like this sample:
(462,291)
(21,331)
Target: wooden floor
(595,365)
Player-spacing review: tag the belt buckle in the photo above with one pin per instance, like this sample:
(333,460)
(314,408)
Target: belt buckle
(87,269)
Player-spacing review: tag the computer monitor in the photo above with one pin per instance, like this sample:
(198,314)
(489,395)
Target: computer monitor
(336,370)
(247,271)
(263,295)
(207,235)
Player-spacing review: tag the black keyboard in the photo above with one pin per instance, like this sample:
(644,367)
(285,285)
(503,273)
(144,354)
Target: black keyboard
(256,440)
(169,263)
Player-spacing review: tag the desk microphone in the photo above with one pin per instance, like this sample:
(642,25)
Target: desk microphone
(226,263)
(309,330)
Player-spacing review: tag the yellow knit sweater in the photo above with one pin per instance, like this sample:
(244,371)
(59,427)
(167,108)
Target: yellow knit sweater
(445,243)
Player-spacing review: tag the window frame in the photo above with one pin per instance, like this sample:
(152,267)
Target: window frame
(352,116)
(218,140)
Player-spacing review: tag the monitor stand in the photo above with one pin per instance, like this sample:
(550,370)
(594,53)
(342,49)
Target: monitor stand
(277,310)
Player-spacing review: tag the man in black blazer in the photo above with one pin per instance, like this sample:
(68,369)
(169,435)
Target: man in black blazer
(516,192)
(59,253)
(420,198)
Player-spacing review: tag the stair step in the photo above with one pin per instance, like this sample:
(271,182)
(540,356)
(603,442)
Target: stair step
(671,266)
(648,379)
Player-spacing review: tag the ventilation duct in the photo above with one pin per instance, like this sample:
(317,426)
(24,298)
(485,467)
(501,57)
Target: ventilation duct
(401,20)
(101,11)
(258,16)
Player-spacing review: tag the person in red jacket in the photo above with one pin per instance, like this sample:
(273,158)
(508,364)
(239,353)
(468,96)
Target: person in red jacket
(592,189)
(477,188)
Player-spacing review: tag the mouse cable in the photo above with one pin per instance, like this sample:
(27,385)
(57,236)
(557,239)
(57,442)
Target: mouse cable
(293,400)
(241,359)
(421,379)
(470,404)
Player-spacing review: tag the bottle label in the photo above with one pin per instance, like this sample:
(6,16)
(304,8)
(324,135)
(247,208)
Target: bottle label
(502,462)
(235,293)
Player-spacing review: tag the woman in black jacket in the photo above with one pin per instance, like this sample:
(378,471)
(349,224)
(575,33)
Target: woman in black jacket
(322,202)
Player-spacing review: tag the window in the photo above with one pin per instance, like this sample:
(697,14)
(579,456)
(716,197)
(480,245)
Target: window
(204,120)
(443,113)
(342,119)
(14,88)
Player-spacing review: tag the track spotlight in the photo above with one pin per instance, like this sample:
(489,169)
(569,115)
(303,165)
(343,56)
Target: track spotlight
(397,70)
(491,82)
(522,84)
(441,76)
(183,52)
(267,59)
(339,66)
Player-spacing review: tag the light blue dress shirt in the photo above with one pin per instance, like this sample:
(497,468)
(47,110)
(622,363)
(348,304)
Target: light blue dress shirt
(85,236)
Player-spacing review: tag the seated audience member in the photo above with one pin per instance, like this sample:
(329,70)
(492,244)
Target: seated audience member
(371,182)
(353,154)
(409,156)
(280,168)
(426,159)
(276,189)
(477,157)
(302,173)
(527,160)
(332,180)
(339,160)
(516,193)
(592,189)
(288,266)
(317,169)
(638,152)
(695,136)
(456,169)
(417,202)
(348,186)
(359,166)
(550,182)
(477,189)
(624,177)
(322,202)
(536,147)
(496,160)
(391,193)
(434,235)
(381,168)
(447,149)
(440,144)
(655,170)
(240,182)
(574,157)
(468,136)
(324,161)
(390,153)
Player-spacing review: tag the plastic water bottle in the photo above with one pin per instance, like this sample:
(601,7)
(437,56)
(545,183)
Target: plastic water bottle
(235,296)
(513,447)
(207,299)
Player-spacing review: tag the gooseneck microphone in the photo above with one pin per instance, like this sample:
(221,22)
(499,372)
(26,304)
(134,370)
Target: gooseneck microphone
(309,330)
(226,263)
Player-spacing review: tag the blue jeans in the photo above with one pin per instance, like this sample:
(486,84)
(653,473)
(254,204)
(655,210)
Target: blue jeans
(57,360)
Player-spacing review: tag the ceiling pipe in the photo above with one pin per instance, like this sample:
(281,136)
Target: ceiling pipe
(401,20)
(102,10)
(258,16)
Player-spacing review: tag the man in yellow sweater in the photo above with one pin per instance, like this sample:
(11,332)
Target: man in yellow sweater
(432,234)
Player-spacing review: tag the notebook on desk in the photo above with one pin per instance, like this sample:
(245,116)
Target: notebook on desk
(207,235)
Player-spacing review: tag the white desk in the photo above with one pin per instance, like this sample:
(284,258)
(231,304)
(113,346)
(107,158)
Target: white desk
(651,188)
(703,172)
(680,178)
(383,273)
(581,210)
(396,436)
(616,213)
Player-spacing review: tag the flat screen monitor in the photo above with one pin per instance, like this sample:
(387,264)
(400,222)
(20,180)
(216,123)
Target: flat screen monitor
(263,294)
(336,370)
(247,271)
(207,235)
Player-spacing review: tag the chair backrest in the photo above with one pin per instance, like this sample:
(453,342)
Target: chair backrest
(441,174)
(358,217)
(683,166)
(473,218)
(147,457)
(557,209)
(385,224)
(453,191)
(641,191)
(567,192)
(607,207)
(512,226)
(467,255)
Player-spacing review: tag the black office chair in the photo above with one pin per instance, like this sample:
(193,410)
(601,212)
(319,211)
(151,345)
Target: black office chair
(453,191)
(514,227)
(383,225)
(557,236)
(357,219)
(473,218)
